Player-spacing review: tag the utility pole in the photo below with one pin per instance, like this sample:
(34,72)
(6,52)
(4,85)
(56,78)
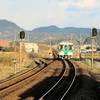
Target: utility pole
(71,38)
(80,39)
(15,48)
(50,40)
(67,38)
(80,47)
(28,38)
(22,36)
(14,61)
(92,41)
(20,56)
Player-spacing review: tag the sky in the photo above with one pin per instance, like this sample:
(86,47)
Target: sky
(30,14)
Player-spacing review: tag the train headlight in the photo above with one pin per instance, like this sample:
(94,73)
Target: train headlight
(70,53)
(61,53)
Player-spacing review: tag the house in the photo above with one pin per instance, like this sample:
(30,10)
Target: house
(88,48)
(4,43)
(29,47)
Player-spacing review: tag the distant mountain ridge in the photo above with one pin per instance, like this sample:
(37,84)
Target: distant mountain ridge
(8,30)
(48,29)
(53,29)
(4,23)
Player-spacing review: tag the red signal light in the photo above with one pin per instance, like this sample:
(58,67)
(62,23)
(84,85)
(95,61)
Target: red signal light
(94,32)
(22,35)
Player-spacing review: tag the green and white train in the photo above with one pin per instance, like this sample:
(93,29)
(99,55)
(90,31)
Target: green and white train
(65,50)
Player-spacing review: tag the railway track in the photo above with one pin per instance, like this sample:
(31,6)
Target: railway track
(10,87)
(13,83)
(53,88)
(19,78)
(51,81)
(60,89)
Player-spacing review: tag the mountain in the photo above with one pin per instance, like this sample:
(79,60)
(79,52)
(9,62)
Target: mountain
(55,29)
(8,30)
(48,29)
(58,34)
(76,30)
(96,40)
(5,24)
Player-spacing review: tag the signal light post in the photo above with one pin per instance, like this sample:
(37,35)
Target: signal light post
(94,33)
(22,36)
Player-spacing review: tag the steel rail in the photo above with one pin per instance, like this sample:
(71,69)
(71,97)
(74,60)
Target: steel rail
(62,98)
(18,78)
(11,88)
(42,97)
(16,75)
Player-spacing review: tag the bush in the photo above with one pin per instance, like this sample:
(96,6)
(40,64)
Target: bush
(10,49)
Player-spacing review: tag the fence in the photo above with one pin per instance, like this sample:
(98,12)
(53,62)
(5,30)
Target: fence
(96,63)
(87,58)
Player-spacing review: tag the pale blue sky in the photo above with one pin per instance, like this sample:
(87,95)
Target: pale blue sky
(30,14)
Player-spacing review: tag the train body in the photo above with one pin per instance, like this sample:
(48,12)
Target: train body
(65,50)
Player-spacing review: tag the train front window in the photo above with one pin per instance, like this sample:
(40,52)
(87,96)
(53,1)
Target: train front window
(61,47)
(65,47)
(70,47)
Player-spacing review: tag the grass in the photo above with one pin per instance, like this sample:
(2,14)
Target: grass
(7,66)
(94,72)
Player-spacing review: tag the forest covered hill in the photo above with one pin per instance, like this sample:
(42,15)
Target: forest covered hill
(52,33)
